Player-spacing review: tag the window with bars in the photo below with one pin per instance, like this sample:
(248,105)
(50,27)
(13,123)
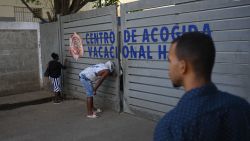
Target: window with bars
(22,14)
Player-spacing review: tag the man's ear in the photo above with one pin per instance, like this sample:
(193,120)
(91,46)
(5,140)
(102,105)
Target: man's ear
(183,66)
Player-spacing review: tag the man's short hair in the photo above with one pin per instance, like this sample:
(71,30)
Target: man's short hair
(198,49)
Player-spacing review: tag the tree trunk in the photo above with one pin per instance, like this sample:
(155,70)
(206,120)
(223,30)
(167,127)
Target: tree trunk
(30,9)
(62,7)
(65,7)
(74,5)
(57,6)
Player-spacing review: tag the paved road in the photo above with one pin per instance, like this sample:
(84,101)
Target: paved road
(67,122)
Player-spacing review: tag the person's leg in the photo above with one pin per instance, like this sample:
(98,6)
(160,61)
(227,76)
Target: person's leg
(56,87)
(90,105)
(60,96)
(57,98)
(89,92)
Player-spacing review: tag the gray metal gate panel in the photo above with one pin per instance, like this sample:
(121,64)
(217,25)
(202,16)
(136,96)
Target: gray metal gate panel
(99,20)
(148,89)
(49,42)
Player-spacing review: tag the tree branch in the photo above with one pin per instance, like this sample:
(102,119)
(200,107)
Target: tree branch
(83,3)
(74,4)
(49,16)
(30,9)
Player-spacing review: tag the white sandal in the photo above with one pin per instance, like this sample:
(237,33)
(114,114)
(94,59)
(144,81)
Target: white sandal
(92,116)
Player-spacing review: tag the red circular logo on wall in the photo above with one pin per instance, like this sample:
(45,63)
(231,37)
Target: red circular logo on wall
(76,48)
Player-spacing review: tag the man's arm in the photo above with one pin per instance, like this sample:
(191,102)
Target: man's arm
(64,66)
(103,74)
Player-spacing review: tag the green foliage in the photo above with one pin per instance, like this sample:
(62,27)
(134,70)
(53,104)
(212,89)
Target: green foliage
(103,3)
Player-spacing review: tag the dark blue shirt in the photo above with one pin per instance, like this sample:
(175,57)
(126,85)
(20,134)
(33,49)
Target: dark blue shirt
(206,114)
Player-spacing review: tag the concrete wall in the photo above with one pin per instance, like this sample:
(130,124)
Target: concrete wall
(19,61)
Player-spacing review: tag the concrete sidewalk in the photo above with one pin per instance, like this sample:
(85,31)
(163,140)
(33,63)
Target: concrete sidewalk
(67,122)
(20,100)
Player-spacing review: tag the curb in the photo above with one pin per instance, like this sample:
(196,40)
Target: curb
(11,106)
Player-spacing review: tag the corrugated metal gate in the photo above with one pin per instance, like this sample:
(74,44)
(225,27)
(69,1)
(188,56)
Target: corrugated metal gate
(89,25)
(147,88)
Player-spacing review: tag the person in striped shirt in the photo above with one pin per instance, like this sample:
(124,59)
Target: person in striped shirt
(54,72)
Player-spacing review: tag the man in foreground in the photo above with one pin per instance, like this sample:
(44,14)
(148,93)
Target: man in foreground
(204,113)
